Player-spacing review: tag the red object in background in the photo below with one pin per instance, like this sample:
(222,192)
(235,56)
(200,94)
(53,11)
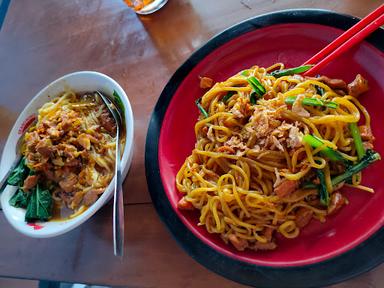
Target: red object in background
(291,44)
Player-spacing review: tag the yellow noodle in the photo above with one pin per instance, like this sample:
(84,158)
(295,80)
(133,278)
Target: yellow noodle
(246,155)
(80,148)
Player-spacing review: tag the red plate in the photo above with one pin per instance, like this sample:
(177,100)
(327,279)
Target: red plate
(292,44)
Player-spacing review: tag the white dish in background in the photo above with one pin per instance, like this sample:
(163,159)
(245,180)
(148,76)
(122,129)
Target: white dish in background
(79,82)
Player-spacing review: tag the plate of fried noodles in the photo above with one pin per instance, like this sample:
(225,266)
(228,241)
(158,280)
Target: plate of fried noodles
(263,175)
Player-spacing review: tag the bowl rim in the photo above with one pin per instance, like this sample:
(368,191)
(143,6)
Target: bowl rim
(317,274)
(126,160)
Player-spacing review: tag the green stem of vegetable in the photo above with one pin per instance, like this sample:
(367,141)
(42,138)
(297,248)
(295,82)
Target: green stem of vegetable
(202,110)
(119,102)
(369,157)
(228,96)
(256,83)
(253,98)
(357,139)
(319,90)
(309,185)
(258,89)
(322,188)
(315,142)
(312,102)
(291,71)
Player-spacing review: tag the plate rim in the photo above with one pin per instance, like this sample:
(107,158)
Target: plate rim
(318,274)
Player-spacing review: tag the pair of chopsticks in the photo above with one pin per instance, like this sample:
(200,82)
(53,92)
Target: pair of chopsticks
(345,41)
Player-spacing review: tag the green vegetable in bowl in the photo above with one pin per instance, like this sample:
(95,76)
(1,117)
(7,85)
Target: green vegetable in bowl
(40,205)
(37,201)
(20,199)
(18,174)
(119,102)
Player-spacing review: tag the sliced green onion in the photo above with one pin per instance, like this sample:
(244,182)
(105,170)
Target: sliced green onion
(244,73)
(258,89)
(309,185)
(357,139)
(323,192)
(315,142)
(290,71)
(253,98)
(319,90)
(202,110)
(256,83)
(228,96)
(312,102)
(369,157)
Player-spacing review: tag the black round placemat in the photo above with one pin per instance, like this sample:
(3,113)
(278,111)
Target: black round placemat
(361,259)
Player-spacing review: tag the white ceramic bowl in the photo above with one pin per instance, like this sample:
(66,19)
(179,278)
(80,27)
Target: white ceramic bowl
(79,82)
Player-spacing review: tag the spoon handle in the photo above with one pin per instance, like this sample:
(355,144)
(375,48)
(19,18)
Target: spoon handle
(118,206)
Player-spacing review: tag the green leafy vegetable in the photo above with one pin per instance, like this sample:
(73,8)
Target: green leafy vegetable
(119,102)
(202,110)
(18,174)
(291,71)
(316,142)
(312,102)
(40,205)
(37,202)
(20,199)
(369,157)
(228,96)
(323,192)
(244,73)
(357,139)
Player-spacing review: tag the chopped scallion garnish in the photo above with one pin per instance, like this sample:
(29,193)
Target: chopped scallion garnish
(323,192)
(202,110)
(357,139)
(369,157)
(315,142)
(312,102)
(257,89)
(228,96)
(291,71)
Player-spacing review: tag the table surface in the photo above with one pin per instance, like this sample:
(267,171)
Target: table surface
(43,39)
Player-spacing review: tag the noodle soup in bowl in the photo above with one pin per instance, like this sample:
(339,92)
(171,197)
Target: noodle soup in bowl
(78,85)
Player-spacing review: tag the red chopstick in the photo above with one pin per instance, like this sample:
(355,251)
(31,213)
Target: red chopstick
(345,41)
